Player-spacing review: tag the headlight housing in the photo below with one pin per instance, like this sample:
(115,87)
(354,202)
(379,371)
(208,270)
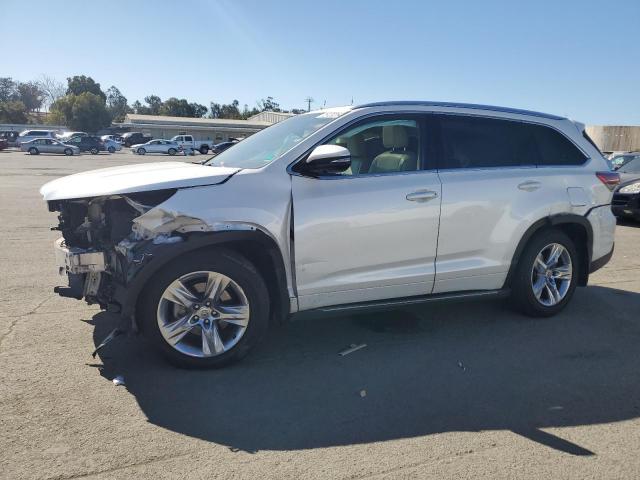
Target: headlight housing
(633,188)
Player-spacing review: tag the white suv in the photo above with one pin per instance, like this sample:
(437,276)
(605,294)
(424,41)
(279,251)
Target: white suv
(384,204)
(28,135)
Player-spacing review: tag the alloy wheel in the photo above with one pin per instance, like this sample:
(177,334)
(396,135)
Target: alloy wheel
(551,274)
(203,314)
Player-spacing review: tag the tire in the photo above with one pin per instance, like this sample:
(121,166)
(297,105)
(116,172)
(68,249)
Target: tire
(204,149)
(68,152)
(525,281)
(111,149)
(94,151)
(141,151)
(154,309)
(34,151)
(172,151)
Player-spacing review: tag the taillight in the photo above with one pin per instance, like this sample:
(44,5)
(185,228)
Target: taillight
(610,179)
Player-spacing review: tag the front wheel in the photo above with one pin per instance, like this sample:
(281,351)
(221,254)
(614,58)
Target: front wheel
(33,151)
(204,149)
(111,149)
(546,275)
(205,310)
(141,151)
(94,151)
(172,151)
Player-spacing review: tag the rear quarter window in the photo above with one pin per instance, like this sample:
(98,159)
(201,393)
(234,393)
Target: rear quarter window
(556,149)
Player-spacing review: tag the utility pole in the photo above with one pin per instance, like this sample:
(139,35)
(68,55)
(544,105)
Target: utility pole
(309,100)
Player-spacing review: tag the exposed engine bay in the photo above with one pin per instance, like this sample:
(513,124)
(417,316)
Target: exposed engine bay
(101,242)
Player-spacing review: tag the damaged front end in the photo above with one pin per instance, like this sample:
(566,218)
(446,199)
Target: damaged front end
(103,245)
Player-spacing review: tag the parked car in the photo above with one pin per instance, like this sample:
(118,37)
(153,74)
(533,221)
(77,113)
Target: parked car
(157,146)
(28,135)
(111,145)
(221,147)
(115,138)
(64,136)
(626,199)
(87,143)
(187,142)
(48,145)
(347,209)
(618,161)
(10,136)
(134,138)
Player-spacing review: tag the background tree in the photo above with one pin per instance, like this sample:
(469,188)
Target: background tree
(86,112)
(51,89)
(13,111)
(117,104)
(81,84)
(231,110)
(154,103)
(7,89)
(30,95)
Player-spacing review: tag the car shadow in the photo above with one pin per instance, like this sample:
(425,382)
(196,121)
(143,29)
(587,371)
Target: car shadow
(431,369)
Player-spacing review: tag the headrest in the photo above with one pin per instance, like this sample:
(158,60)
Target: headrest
(355,144)
(395,136)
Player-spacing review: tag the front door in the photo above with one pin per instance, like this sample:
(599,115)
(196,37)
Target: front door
(369,233)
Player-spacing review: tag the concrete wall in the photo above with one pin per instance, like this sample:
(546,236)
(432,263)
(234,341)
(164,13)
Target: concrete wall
(610,138)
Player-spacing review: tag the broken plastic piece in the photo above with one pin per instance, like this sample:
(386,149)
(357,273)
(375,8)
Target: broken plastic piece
(118,380)
(363,393)
(352,348)
(114,333)
(461,365)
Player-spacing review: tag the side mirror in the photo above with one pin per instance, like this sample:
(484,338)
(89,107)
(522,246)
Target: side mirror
(327,159)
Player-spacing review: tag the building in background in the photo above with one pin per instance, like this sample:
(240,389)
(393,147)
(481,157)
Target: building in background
(215,130)
(612,138)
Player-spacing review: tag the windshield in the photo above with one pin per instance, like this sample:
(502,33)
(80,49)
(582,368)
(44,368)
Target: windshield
(265,146)
(632,167)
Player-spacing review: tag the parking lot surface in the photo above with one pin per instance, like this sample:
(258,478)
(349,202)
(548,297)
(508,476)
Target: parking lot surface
(467,390)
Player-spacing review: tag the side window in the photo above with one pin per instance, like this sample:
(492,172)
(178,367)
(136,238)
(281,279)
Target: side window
(381,146)
(478,142)
(556,149)
(188,139)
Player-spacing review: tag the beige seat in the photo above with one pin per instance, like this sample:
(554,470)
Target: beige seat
(355,144)
(398,158)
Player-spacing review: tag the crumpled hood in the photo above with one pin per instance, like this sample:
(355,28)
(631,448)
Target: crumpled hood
(142,177)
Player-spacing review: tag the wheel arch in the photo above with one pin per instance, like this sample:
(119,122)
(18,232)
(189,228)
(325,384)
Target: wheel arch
(256,246)
(577,227)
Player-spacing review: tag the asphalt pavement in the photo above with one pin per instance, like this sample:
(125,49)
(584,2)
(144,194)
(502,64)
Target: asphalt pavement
(470,390)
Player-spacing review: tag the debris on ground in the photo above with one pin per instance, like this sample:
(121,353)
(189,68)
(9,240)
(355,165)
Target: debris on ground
(114,333)
(363,393)
(461,365)
(556,407)
(352,348)
(118,380)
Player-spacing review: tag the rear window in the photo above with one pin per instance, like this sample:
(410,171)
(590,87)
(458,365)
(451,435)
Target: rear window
(477,142)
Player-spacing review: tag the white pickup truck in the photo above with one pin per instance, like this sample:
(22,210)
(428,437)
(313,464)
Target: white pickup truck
(187,142)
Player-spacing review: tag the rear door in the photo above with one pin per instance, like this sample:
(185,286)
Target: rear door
(370,233)
(491,193)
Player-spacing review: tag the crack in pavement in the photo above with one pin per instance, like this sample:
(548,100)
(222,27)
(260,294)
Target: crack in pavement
(15,321)
(120,467)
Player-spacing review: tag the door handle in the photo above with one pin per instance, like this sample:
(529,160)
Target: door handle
(422,196)
(529,186)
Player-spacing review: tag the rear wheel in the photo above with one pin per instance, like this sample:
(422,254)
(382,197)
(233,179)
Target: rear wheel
(546,275)
(33,151)
(141,151)
(204,149)
(172,151)
(68,151)
(94,151)
(205,310)
(111,149)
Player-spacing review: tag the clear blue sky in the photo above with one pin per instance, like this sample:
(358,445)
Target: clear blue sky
(580,59)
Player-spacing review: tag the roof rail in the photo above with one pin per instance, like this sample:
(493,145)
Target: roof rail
(462,105)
